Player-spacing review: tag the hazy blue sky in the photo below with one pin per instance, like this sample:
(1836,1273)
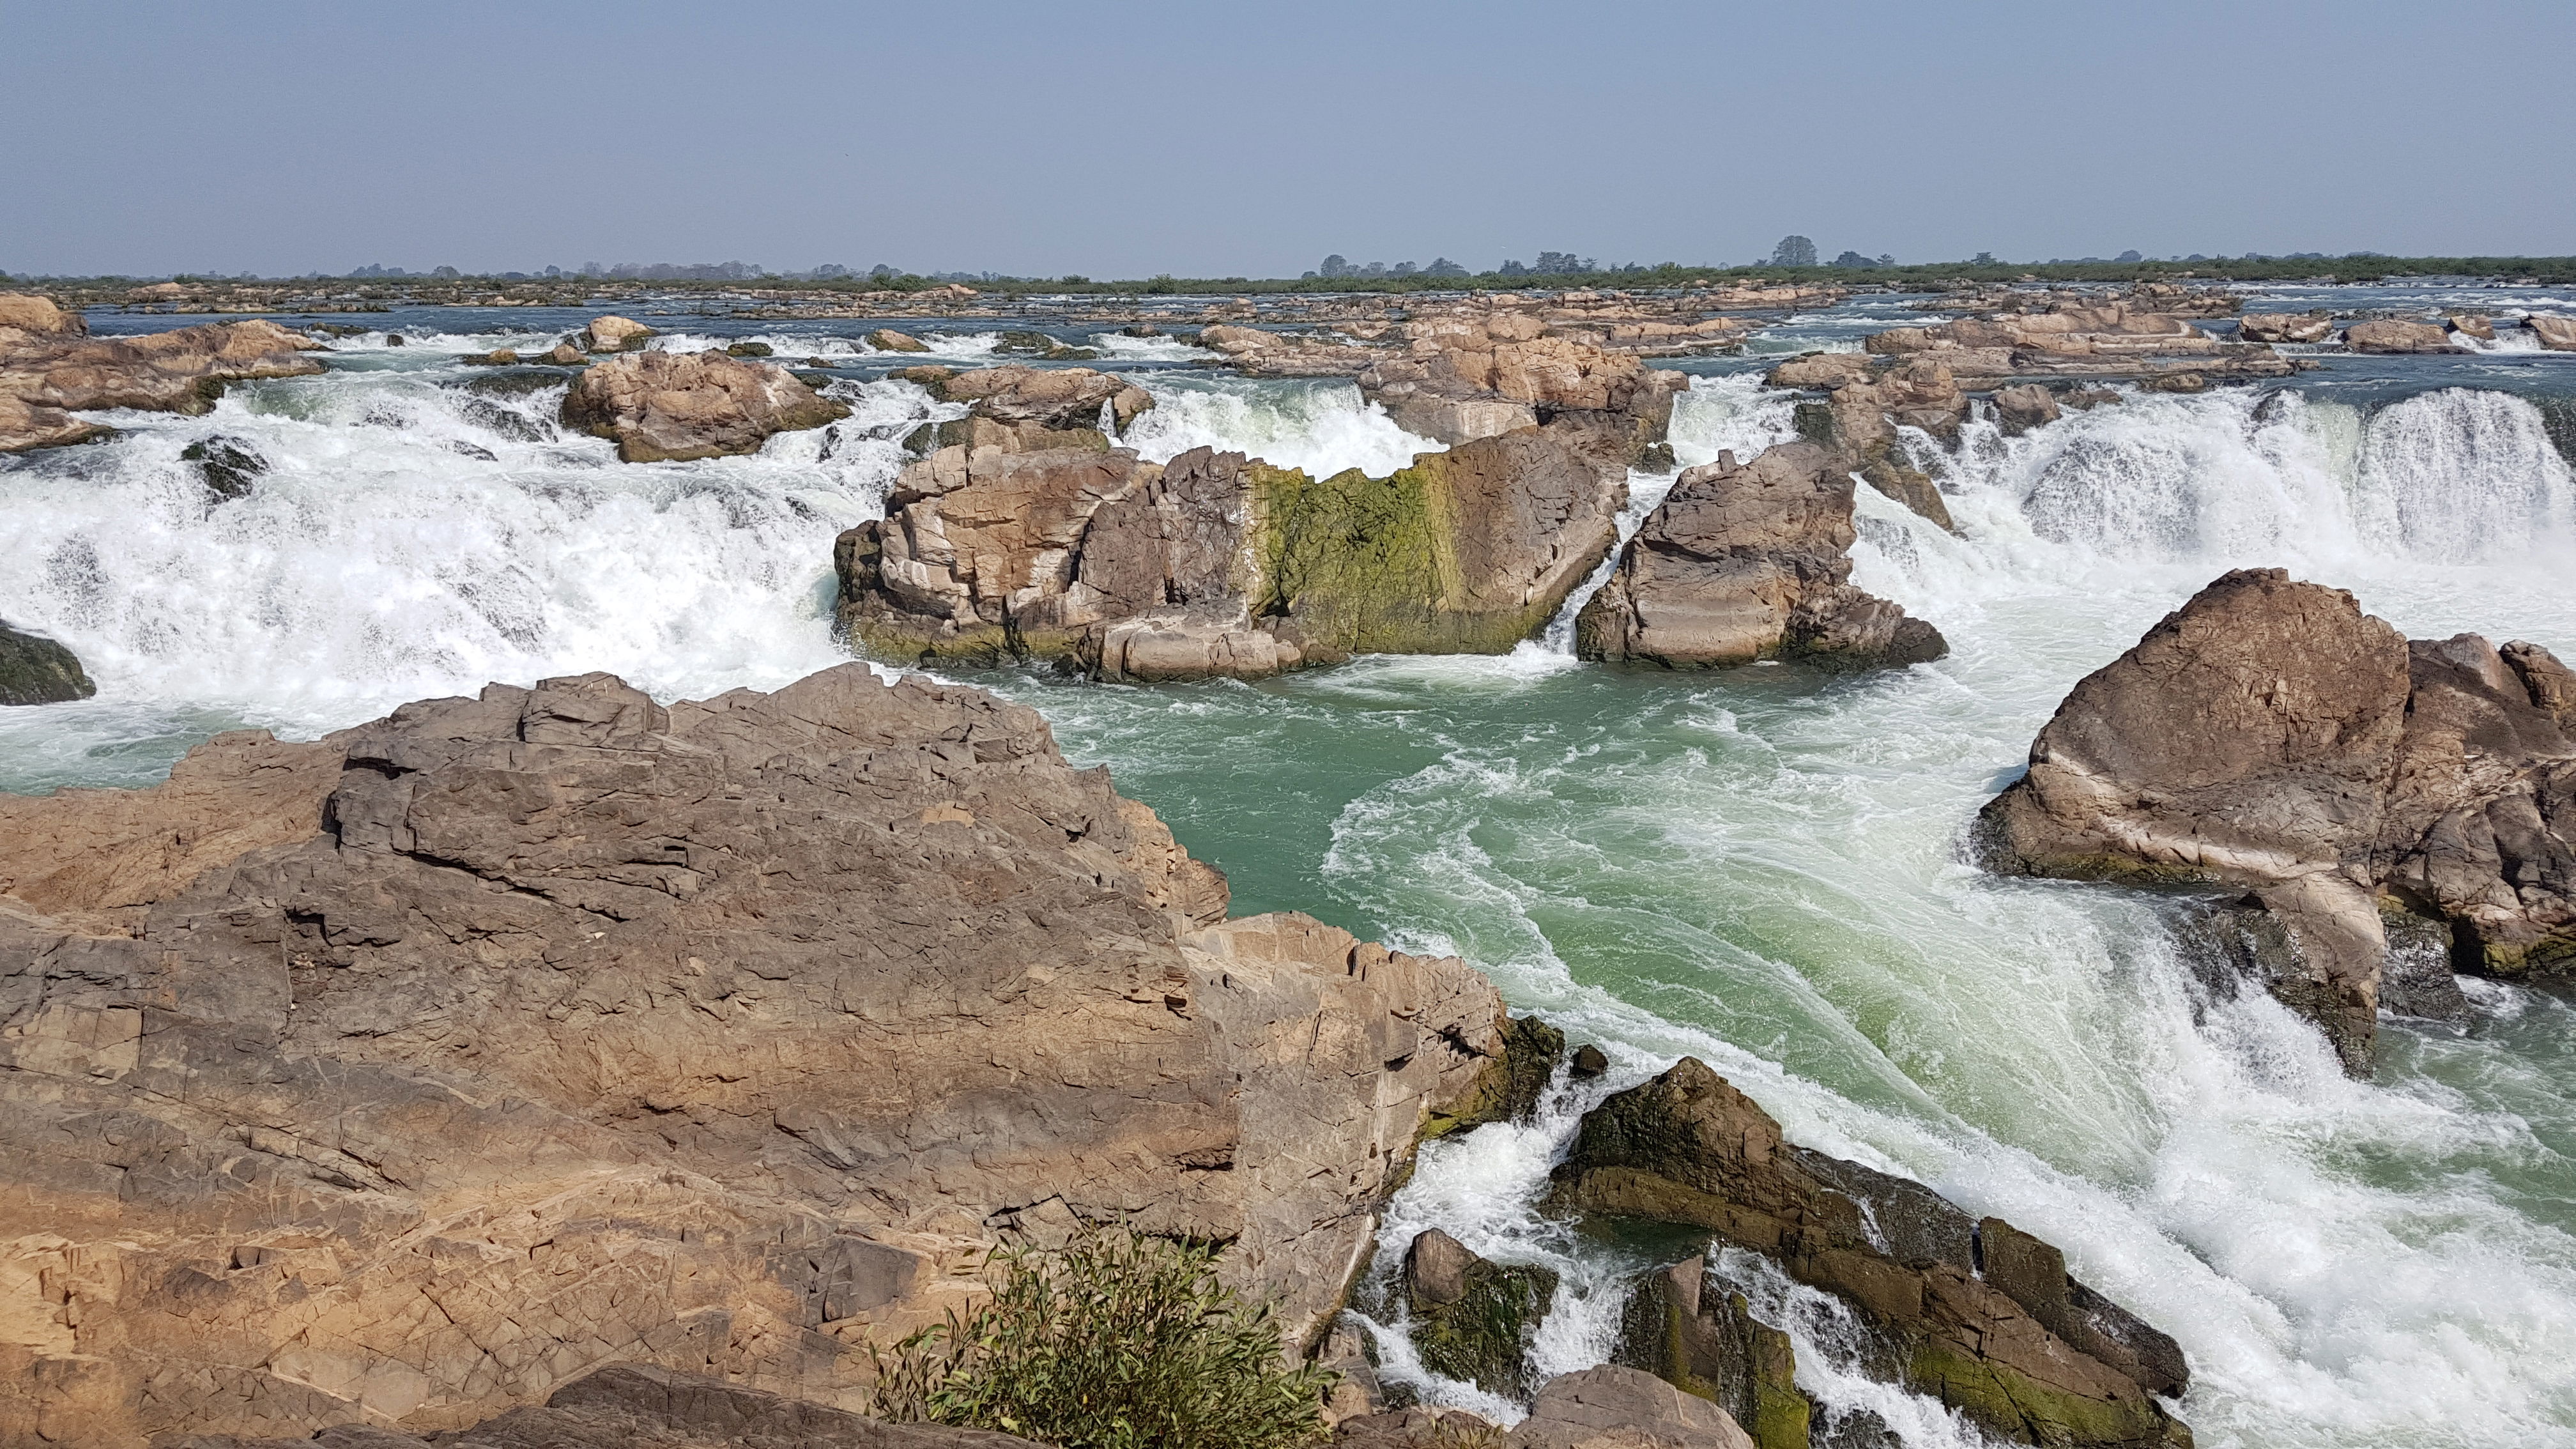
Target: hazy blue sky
(1215,139)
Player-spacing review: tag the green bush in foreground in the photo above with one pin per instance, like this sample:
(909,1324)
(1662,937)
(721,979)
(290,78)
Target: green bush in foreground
(1115,1341)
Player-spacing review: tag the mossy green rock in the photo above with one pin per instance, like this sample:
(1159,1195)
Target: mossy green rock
(1698,1335)
(1510,1087)
(1472,1319)
(36,670)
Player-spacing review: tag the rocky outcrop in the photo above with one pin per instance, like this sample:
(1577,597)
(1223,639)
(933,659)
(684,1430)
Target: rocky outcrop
(2399,337)
(2558,334)
(886,339)
(1698,1333)
(663,407)
(2024,407)
(1962,1309)
(2270,736)
(2481,329)
(1220,564)
(1263,353)
(1052,398)
(2081,340)
(1472,1319)
(408,1074)
(1467,376)
(627,1406)
(1822,371)
(1745,562)
(612,334)
(36,670)
(46,375)
(1622,1408)
(29,316)
(2285,327)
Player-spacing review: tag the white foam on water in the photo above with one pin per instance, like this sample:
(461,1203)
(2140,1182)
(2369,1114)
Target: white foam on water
(1321,426)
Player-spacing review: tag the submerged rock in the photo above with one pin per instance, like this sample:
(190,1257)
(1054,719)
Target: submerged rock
(598,1029)
(1688,1148)
(672,407)
(1472,1319)
(1748,562)
(36,670)
(228,465)
(2270,735)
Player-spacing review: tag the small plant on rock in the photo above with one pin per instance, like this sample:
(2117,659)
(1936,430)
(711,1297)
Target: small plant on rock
(1114,1341)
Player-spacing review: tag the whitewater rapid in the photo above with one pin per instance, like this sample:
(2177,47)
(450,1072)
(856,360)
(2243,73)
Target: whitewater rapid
(1760,868)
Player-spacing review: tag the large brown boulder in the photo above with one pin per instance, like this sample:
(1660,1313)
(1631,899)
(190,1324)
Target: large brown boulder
(2020,1352)
(611,334)
(25,425)
(31,316)
(1611,1407)
(2399,337)
(406,1074)
(2558,334)
(663,407)
(182,371)
(1468,376)
(1822,371)
(2270,735)
(1749,562)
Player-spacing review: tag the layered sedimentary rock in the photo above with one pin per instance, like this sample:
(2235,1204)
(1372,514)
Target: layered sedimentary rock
(49,369)
(1467,376)
(674,406)
(407,1074)
(1220,564)
(2285,327)
(1972,1312)
(1264,353)
(1698,1333)
(2399,337)
(1744,562)
(2268,735)
(2081,340)
(2558,334)
(37,670)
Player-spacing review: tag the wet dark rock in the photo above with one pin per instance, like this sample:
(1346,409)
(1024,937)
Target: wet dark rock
(1588,1062)
(1688,1148)
(1695,1332)
(516,381)
(1472,1319)
(228,465)
(748,349)
(36,670)
(1531,1050)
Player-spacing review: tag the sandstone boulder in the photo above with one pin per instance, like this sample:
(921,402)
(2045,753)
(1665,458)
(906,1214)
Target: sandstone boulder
(1748,562)
(1465,377)
(1264,353)
(1067,397)
(1822,371)
(2285,327)
(2558,334)
(25,425)
(2398,337)
(182,371)
(612,334)
(2269,735)
(2480,328)
(37,670)
(2085,338)
(32,316)
(1688,1148)
(674,406)
(886,339)
(1623,1408)
(1859,424)
(2022,408)
(407,1074)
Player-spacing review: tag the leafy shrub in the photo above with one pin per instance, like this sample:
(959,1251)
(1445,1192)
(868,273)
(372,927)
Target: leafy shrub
(1114,1341)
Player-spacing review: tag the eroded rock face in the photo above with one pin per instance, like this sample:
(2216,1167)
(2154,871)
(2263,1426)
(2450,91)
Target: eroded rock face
(2083,339)
(1688,1148)
(37,670)
(44,375)
(2399,337)
(1217,564)
(1748,562)
(1468,376)
(406,1073)
(1697,1333)
(663,407)
(2270,735)
(2558,334)
(2284,327)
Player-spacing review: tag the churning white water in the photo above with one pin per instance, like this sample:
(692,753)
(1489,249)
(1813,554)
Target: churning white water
(1760,867)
